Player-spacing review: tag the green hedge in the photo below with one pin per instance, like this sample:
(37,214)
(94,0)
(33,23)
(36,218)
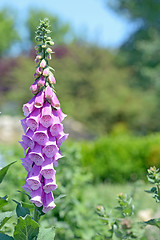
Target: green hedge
(121,158)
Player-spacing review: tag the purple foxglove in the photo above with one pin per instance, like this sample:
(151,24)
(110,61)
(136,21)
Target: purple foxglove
(48,202)
(36,155)
(42,64)
(48,92)
(51,79)
(61,138)
(47,169)
(43,133)
(34,87)
(33,120)
(41,81)
(49,184)
(39,100)
(34,177)
(27,139)
(27,162)
(59,113)
(37,197)
(50,148)
(46,117)
(39,71)
(29,107)
(49,50)
(54,101)
(56,128)
(27,188)
(46,72)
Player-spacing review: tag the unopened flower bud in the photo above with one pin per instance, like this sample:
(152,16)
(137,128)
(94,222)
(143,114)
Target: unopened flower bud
(39,100)
(41,81)
(46,72)
(43,63)
(51,79)
(39,71)
(48,92)
(34,87)
(49,50)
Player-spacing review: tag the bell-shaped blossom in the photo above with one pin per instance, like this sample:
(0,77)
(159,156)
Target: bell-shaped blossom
(56,158)
(46,117)
(34,177)
(48,202)
(36,197)
(34,87)
(41,81)
(54,101)
(61,138)
(39,71)
(33,120)
(27,162)
(36,155)
(49,184)
(58,113)
(48,92)
(29,107)
(41,135)
(50,149)
(56,128)
(46,72)
(27,188)
(27,139)
(39,100)
(51,79)
(47,169)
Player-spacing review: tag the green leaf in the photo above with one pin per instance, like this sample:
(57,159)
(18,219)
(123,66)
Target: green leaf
(46,233)
(26,228)
(3,201)
(154,222)
(59,197)
(4,217)
(5,237)
(22,211)
(4,170)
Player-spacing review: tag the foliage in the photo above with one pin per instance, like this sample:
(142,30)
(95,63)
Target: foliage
(8,33)
(123,226)
(86,88)
(141,50)
(120,158)
(154,178)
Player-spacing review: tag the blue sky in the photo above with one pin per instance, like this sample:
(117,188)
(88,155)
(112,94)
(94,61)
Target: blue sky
(91,17)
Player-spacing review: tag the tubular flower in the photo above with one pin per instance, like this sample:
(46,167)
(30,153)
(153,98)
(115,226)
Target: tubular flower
(43,131)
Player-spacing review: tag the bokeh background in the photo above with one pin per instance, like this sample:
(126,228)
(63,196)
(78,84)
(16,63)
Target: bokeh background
(107,62)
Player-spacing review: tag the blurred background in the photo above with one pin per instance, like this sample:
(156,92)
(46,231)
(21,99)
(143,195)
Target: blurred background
(107,62)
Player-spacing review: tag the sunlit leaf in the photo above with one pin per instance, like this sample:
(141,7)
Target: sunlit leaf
(4,170)
(26,228)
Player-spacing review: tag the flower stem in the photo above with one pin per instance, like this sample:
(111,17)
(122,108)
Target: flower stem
(36,214)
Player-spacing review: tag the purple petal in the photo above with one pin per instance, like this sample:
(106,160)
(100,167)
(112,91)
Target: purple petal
(46,118)
(48,202)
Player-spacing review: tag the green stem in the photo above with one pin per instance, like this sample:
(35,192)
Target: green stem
(36,214)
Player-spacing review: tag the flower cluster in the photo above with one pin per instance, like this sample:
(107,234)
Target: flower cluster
(43,128)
